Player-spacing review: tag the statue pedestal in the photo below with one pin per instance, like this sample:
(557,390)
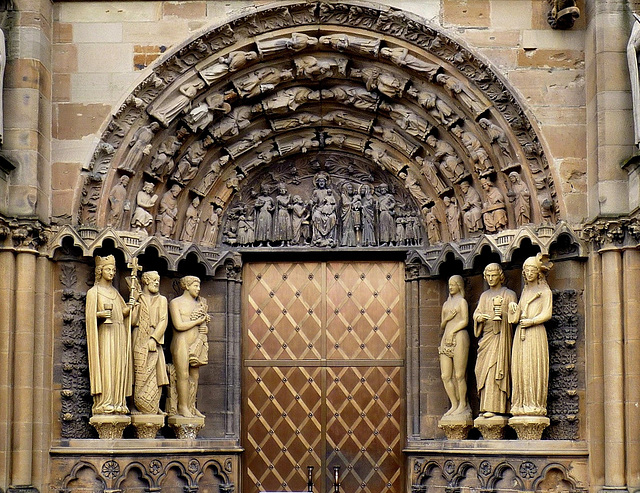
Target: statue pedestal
(110,426)
(491,428)
(186,428)
(456,427)
(529,427)
(147,425)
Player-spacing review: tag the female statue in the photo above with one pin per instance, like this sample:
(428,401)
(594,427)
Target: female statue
(108,342)
(283,228)
(264,215)
(530,353)
(323,212)
(454,348)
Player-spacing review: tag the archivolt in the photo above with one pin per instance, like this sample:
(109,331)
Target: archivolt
(296,83)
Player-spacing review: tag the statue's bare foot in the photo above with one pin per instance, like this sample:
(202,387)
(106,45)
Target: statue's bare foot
(198,413)
(449,412)
(488,414)
(185,412)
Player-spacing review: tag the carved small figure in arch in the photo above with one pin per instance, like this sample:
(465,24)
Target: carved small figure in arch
(413,186)
(162,163)
(402,58)
(300,221)
(520,196)
(494,211)
(477,152)
(246,235)
(430,172)
(450,164)
(203,113)
(344,42)
(283,227)
(192,219)
(211,225)
(145,201)
(190,163)
(452,213)
(358,97)
(261,81)
(140,146)
(323,212)
(118,202)
(386,83)
(296,42)
(407,120)
(368,214)
(386,216)
(454,348)
(168,212)
(434,235)
(232,124)
(287,100)
(348,211)
(459,91)
(215,168)
(472,208)
(315,68)
(177,102)
(435,106)
(497,136)
(264,207)
(233,62)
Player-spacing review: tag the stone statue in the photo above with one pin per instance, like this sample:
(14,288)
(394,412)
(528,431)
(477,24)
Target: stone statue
(459,91)
(433,228)
(450,164)
(211,225)
(471,208)
(394,138)
(368,213)
(385,82)
(108,342)
(192,219)
(289,100)
(245,232)
(349,209)
(233,62)
(348,119)
(413,186)
(491,326)
(452,213)
(145,201)
(140,146)
(189,163)
(202,114)
(344,42)
(435,106)
(402,58)
(407,120)
(386,213)
(189,347)
(355,96)
(497,136)
(168,212)
(264,215)
(283,227)
(520,197)
(162,163)
(204,186)
(150,318)
(176,102)
(633,47)
(430,172)
(494,211)
(296,42)
(563,14)
(301,142)
(530,353)
(118,203)
(262,80)
(315,68)
(295,121)
(323,212)
(454,348)
(379,154)
(477,152)
(300,221)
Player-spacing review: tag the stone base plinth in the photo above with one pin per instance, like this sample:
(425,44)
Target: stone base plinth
(186,428)
(491,428)
(529,427)
(147,425)
(110,426)
(456,427)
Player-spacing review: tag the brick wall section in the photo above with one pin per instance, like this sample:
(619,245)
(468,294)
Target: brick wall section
(102,49)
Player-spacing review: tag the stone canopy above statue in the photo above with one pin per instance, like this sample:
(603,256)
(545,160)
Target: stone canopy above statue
(198,151)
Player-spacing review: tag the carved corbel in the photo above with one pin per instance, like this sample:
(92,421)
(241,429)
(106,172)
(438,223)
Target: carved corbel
(563,14)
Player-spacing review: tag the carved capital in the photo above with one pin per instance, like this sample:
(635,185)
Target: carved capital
(23,233)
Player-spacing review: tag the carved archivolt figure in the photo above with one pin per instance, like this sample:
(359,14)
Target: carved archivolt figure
(433,228)
(349,214)
(353,44)
(162,163)
(192,218)
(232,62)
(497,136)
(247,142)
(378,153)
(386,83)
(323,212)
(202,114)
(477,152)
(453,218)
(140,146)
(458,90)
(264,215)
(454,348)
(530,355)
(150,319)
(189,163)
(174,104)
(357,97)
(215,167)
(491,325)
(145,201)
(189,347)
(168,212)
(407,120)
(472,208)
(413,186)
(212,223)
(283,227)
(520,197)
(262,80)
(394,138)
(450,164)
(118,203)
(386,219)
(289,100)
(297,42)
(300,221)
(430,172)
(315,68)
(245,235)
(108,342)
(633,49)
(402,58)
(368,213)
(435,106)
(494,211)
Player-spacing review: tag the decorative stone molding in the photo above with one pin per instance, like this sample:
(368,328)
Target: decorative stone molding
(616,231)
(21,234)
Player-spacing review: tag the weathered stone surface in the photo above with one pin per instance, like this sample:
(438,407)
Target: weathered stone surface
(73,121)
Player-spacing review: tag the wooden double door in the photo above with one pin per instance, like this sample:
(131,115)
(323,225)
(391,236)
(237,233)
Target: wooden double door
(324,375)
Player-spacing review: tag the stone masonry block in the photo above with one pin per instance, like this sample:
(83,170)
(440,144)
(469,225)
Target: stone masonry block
(553,40)
(61,88)
(109,11)
(467,13)
(62,32)
(505,16)
(20,73)
(161,33)
(550,58)
(101,88)
(566,140)
(73,121)
(505,58)
(105,58)
(21,108)
(99,32)
(65,58)
(184,10)
(62,202)
(490,38)
(64,175)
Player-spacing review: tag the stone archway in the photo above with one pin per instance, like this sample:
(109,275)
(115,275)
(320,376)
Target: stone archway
(367,95)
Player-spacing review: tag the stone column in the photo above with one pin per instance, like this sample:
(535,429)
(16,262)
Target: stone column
(23,349)
(631,272)
(613,364)
(233,363)
(412,316)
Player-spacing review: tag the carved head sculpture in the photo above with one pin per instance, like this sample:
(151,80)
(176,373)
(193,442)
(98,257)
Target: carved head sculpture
(464,186)
(101,263)
(191,284)
(493,275)
(321,180)
(536,268)
(151,280)
(124,180)
(514,176)
(175,190)
(456,285)
(147,187)
(365,190)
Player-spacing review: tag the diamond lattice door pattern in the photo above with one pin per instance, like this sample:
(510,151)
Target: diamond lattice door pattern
(324,375)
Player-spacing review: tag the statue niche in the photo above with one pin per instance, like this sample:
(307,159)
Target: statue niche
(338,204)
